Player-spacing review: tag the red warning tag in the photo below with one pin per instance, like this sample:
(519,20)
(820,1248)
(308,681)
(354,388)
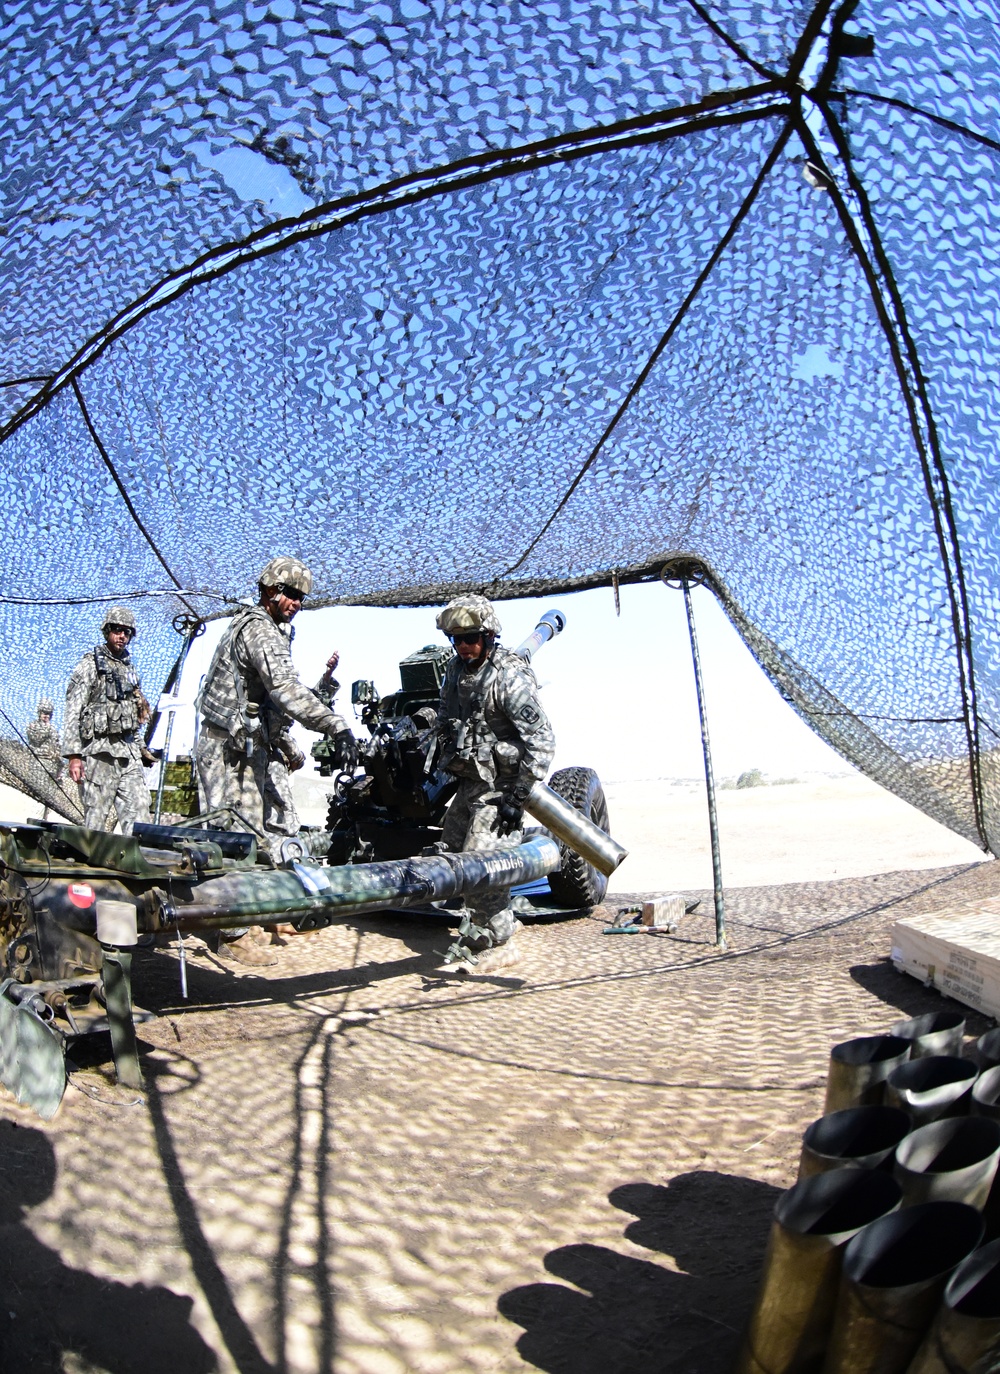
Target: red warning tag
(80,894)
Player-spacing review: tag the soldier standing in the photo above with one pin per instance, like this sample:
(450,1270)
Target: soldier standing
(497,740)
(104,709)
(250,696)
(43,737)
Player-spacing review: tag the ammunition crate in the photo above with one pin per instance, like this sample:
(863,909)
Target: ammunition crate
(180,790)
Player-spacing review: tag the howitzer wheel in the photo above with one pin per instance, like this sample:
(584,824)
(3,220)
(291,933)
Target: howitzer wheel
(579,883)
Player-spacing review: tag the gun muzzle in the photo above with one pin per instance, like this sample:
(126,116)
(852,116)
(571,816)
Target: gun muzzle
(574,829)
(551,624)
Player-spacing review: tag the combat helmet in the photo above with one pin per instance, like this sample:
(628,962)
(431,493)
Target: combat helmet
(466,614)
(286,572)
(45,707)
(119,615)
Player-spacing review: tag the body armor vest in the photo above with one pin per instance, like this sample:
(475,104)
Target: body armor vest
(112,711)
(231,702)
(472,728)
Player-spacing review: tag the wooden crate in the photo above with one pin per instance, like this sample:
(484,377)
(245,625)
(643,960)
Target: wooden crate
(956,951)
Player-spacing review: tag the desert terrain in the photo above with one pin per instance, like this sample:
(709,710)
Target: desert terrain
(349,1163)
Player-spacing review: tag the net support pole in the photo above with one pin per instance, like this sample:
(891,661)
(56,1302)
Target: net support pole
(164,763)
(706,750)
(191,629)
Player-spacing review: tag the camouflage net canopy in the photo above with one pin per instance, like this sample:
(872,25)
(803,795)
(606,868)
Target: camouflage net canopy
(519,296)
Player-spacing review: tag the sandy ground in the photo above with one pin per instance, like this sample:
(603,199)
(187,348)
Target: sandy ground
(349,1163)
(823,828)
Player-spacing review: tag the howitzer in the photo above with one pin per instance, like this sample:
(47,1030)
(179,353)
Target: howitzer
(397,806)
(73,903)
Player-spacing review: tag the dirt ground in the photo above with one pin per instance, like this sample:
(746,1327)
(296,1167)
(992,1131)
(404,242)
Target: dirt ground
(349,1163)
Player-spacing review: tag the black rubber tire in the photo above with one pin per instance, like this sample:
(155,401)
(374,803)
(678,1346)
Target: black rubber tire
(579,883)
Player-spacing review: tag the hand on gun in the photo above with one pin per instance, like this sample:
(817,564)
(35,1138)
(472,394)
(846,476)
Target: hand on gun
(345,751)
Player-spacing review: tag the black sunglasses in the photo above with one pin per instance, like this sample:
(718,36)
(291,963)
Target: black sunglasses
(473,638)
(293,593)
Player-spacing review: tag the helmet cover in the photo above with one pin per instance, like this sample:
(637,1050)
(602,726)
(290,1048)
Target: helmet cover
(286,572)
(466,614)
(119,615)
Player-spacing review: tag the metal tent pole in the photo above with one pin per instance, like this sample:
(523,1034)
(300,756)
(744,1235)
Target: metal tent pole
(684,572)
(191,629)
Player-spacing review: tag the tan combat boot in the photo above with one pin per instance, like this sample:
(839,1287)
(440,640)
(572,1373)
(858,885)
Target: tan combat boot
(246,950)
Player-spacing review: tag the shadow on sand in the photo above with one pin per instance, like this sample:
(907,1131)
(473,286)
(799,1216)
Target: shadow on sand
(49,1309)
(626,1315)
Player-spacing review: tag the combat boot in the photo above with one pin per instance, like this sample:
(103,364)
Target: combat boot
(479,949)
(499,956)
(246,950)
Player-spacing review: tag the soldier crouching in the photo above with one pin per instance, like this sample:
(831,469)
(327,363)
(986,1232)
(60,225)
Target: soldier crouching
(104,709)
(497,740)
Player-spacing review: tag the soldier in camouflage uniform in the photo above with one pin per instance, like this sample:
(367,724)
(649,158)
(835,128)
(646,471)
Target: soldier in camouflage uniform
(43,737)
(104,709)
(496,739)
(250,696)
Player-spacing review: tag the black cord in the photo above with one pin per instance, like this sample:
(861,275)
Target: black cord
(105,458)
(467,173)
(917,401)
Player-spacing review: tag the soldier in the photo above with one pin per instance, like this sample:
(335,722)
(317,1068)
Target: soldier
(247,702)
(496,739)
(104,709)
(43,737)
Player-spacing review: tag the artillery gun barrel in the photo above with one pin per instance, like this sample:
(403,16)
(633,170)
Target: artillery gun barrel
(551,624)
(574,828)
(319,895)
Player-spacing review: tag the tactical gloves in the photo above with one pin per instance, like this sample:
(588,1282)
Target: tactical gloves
(510,808)
(510,814)
(345,751)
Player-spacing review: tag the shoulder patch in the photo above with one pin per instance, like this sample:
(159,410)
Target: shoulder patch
(528,714)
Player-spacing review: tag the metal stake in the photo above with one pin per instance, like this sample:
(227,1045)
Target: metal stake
(706,749)
(681,571)
(116,972)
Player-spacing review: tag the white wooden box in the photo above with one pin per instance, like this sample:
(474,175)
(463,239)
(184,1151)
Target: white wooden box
(957,951)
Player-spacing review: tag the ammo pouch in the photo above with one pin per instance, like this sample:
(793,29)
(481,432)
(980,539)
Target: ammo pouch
(113,708)
(87,724)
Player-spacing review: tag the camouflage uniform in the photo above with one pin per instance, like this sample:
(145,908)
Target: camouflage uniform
(280,813)
(496,705)
(44,740)
(250,695)
(43,737)
(103,713)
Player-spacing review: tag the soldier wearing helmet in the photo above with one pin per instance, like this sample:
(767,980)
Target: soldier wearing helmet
(104,710)
(43,737)
(250,697)
(496,739)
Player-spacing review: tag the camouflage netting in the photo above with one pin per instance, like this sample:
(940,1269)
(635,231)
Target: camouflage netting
(519,297)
